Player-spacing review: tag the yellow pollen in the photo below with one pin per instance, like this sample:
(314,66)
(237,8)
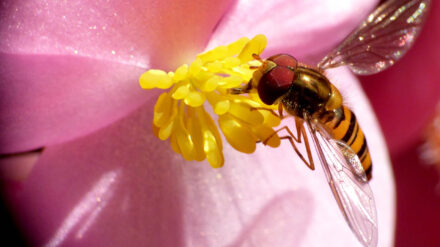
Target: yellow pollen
(180,114)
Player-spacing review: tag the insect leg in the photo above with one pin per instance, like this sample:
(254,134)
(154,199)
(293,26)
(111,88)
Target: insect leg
(292,139)
(299,124)
(241,90)
(280,111)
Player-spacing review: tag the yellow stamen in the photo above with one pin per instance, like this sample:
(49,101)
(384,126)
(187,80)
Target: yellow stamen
(155,78)
(180,113)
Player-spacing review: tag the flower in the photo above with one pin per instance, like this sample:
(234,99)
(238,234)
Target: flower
(191,130)
(69,76)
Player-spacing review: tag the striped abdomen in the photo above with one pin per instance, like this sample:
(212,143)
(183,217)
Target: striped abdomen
(345,127)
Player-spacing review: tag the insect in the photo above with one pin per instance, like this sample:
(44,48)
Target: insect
(306,93)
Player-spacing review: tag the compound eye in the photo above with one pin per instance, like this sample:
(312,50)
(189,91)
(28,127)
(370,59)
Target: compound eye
(284,60)
(274,84)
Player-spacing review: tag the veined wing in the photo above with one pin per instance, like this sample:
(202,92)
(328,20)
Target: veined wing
(348,183)
(382,39)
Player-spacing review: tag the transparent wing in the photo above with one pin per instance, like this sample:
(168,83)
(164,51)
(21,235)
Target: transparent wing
(382,39)
(348,183)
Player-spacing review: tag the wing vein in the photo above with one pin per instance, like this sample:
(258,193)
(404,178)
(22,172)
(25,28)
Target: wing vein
(396,22)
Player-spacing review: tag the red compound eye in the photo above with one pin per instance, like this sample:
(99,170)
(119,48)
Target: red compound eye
(284,60)
(274,84)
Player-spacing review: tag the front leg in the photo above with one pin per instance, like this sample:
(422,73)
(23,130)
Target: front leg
(280,111)
(241,90)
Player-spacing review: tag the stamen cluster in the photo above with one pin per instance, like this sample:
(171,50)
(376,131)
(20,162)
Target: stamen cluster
(180,114)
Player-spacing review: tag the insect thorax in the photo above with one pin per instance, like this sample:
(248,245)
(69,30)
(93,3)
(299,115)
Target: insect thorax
(309,93)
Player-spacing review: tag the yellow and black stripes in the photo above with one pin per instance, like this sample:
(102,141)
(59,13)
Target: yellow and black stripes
(345,127)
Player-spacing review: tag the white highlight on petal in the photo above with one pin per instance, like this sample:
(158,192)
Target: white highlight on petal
(87,210)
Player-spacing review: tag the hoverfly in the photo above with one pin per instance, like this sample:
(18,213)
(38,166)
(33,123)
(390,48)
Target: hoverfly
(305,92)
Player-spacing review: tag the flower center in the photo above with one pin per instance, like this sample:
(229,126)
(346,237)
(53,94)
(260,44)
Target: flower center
(180,114)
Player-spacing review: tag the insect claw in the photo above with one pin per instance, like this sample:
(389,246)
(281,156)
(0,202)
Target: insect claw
(257,57)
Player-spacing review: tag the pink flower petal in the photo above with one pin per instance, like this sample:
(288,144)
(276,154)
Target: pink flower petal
(68,104)
(16,168)
(301,28)
(70,67)
(122,186)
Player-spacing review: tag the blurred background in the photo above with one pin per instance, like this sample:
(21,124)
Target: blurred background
(405,98)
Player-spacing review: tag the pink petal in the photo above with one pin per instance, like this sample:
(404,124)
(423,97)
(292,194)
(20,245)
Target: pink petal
(70,67)
(16,168)
(122,186)
(79,95)
(301,27)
